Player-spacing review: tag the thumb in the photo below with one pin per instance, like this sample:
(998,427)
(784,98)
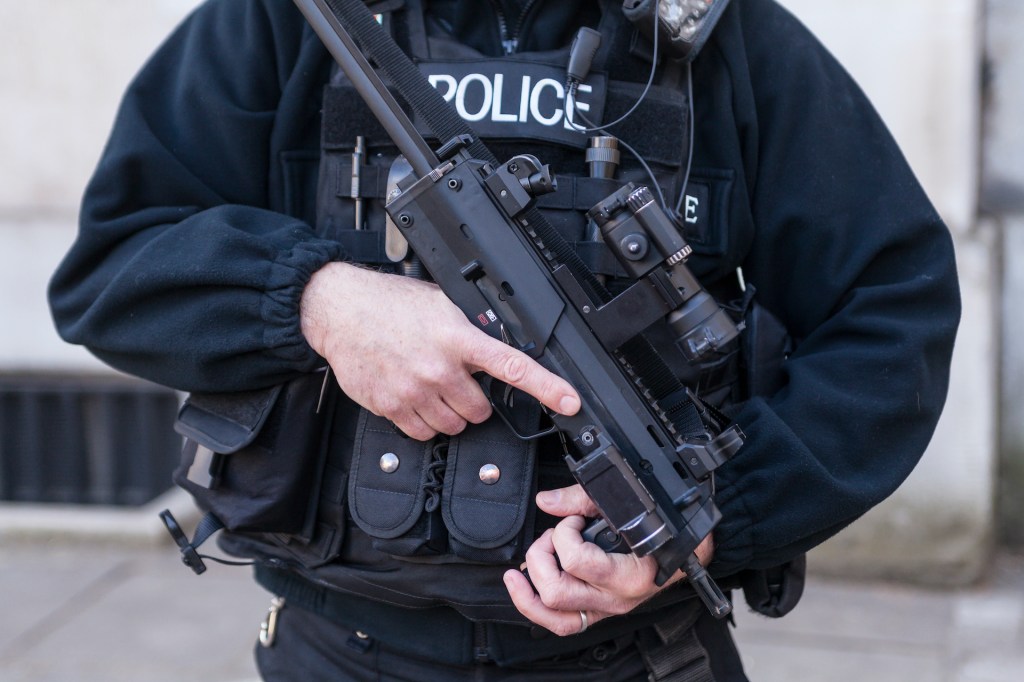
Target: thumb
(571,501)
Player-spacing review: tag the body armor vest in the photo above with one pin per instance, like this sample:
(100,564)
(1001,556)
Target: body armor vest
(427,524)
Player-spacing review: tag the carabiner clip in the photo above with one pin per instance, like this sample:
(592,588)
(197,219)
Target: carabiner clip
(268,628)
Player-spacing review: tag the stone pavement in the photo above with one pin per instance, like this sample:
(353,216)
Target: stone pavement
(844,631)
(80,611)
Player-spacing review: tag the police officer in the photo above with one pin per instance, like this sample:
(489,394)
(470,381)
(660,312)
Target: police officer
(220,253)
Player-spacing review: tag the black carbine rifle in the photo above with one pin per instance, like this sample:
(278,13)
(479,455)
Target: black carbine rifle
(642,446)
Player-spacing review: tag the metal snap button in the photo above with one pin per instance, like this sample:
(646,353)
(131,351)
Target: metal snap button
(389,462)
(490,474)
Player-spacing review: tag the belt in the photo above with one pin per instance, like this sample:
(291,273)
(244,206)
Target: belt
(443,635)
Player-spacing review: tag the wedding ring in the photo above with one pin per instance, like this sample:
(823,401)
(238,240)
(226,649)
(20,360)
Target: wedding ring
(584,622)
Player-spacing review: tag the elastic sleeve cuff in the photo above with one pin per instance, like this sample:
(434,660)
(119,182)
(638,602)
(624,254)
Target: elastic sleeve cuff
(734,535)
(280,308)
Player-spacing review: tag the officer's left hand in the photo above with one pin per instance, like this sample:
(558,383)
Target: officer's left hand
(572,575)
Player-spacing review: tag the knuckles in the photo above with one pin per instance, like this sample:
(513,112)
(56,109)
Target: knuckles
(556,599)
(514,368)
(452,426)
(478,413)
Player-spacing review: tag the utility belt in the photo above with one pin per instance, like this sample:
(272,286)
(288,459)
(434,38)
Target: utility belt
(442,635)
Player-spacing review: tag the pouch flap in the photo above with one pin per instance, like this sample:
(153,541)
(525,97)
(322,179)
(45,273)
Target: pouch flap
(488,483)
(386,490)
(225,422)
(774,592)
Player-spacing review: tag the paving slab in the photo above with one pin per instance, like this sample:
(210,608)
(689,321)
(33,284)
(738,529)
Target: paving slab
(832,662)
(848,630)
(110,612)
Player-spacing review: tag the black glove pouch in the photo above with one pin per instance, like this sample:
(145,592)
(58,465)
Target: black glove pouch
(774,592)
(255,459)
(467,498)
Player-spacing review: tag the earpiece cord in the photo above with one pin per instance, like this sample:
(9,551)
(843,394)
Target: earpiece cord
(689,140)
(592,127)
(650,79)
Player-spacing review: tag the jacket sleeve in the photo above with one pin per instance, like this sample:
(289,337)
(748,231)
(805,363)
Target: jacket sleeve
(181,273)
(849,252)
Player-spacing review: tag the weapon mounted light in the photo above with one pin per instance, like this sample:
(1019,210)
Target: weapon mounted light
(643,237)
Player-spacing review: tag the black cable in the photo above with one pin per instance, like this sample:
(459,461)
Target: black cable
(690,141)
(573,84)
(592,127)
(643,163)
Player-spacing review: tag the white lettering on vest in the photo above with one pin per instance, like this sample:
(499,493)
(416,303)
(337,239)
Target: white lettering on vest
(496,113)
(572,105)
(489,97)
(524,99)
(691,208)
(535,101)
(460,97)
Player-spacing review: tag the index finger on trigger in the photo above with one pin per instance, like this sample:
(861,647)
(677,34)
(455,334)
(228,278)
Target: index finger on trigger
(517,369)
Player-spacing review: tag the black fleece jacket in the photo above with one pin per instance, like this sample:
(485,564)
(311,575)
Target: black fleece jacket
(195,246)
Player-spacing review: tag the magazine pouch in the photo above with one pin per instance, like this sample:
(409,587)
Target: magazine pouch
(488,490)
(453,499)
(388,485)
(255,459)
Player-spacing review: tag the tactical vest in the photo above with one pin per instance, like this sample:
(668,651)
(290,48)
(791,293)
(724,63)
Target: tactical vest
(425,524)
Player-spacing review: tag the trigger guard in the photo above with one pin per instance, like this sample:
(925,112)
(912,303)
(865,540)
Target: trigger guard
(503,406)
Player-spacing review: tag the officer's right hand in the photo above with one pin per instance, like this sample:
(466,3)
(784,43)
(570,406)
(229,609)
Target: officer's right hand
(401,349)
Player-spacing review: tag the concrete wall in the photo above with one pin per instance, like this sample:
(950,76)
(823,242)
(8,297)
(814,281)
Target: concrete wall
(919,61)
(1002,196)
(63,64)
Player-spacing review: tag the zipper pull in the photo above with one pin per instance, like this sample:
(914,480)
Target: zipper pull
(510,46)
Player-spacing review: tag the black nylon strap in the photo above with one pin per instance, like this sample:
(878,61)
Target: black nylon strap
(672,652)
(683,662)
(446,124)
(208,525)
(380,48)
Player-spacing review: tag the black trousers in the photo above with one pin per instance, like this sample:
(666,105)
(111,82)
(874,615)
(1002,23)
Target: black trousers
(310,648)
